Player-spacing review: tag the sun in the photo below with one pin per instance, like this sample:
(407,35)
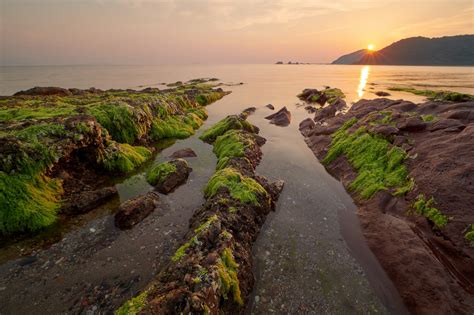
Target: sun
(371,47)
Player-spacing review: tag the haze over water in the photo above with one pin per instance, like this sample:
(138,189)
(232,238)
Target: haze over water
(355,81)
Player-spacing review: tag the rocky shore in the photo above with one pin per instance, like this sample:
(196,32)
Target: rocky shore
(410,170)
(211,273)
(61,148)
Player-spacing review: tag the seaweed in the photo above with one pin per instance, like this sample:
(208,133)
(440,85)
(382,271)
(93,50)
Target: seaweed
(160,172)
(226,124)
(379,165)
(122,157)
(425,208)
(240,187)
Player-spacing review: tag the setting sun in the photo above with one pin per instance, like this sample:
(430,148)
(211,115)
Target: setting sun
(371,47)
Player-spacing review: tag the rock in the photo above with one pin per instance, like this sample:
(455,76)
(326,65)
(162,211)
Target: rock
(382,93)
(385,130)
(306,126)
(280,118)
(248,111)
(339,104)
(88,200)
(270,106)
(38,90)
(313,96)
(412,124)
(325,112)
(169,175)
(183,153)
(445,124)
(310,109)
(135,210)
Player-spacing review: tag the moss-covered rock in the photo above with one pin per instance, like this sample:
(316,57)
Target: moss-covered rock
(240,187)
(229,123)
(167,176)
(122,157)
(42,129)
(211,271)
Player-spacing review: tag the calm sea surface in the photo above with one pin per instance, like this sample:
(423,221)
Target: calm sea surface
(310,257)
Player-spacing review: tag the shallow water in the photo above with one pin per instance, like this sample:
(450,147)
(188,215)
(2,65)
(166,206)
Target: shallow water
(310,256)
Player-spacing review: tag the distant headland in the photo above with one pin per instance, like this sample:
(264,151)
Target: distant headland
(442,51)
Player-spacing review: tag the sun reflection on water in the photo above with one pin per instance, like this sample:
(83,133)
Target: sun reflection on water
(364,75)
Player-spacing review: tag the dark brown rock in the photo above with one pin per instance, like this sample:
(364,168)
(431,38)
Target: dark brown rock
(280,118)
(385,130)
(135,210)
(183,153)
(412,124)
(38,90)
(270,106)
(447,123)
(175,179)
(440,163)
(382,93)
(87,200)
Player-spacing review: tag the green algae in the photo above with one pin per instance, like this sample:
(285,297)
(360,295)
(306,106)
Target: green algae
(160,172)
(333,94)
(34,137)
(379,165)
(122,157)
(436,95)
(134,305)
(469,235)
(171,127)
(429,118)
(425,208)
(28,203)
(240,187)
(181,252)
(226,124)
(231,144)
(228,281)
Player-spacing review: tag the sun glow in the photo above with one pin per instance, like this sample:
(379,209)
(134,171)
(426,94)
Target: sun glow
(364,76)
(371,47)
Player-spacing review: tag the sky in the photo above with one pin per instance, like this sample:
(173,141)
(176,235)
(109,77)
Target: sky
(89,32)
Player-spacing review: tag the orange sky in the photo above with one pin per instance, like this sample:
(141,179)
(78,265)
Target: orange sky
(215,31)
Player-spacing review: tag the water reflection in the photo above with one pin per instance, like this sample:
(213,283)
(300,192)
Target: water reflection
(364,75)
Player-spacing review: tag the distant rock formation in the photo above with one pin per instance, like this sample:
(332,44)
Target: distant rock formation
(351,58)
(442,51)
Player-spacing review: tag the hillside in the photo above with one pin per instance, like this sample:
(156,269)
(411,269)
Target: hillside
(442,51)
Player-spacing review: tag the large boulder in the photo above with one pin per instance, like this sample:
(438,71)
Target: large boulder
(135,210)
(167,176)
(280,118)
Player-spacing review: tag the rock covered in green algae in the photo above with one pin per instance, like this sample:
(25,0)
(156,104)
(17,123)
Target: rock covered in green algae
(211,272)
(41,129)
(235,122)
(167,176)
(329,95)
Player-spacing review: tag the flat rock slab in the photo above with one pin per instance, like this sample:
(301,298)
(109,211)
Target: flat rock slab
(135,210)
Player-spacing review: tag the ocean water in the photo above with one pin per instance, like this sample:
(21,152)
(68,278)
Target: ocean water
(310,255)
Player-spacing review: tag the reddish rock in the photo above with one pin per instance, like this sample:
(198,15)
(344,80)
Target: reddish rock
(135,210)
(88,200)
